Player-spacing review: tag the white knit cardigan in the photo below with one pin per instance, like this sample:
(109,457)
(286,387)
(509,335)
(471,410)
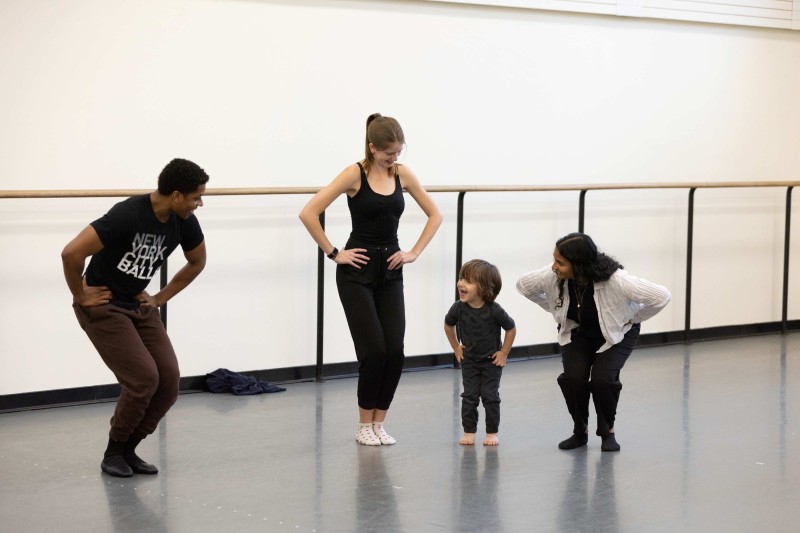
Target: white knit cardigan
(621,301)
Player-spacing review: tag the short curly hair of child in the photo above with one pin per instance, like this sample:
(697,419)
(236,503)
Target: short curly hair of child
(485,275)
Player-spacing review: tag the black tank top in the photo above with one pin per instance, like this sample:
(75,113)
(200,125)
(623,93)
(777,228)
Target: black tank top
(375,217)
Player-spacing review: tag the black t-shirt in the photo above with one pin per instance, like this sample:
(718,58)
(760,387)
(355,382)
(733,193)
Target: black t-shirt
(479,329)
(135,244)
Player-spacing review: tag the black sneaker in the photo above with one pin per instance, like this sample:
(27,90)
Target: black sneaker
(609,444)
(575,441)
(115,465)
(138,465)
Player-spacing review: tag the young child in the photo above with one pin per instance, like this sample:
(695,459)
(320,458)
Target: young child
(476,344)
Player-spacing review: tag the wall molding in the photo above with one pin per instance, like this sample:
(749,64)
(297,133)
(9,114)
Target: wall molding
(778,14)
(193,384)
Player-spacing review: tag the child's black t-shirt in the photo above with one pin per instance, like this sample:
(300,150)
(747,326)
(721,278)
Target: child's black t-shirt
(479,329)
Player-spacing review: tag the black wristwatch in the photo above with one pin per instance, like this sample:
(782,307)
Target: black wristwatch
(333,254)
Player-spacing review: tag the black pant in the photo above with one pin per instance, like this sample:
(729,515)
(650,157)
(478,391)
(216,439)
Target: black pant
(481,379)
(587,372)
(374,305)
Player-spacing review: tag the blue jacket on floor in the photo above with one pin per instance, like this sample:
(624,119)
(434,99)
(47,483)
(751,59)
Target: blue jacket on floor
(224,380)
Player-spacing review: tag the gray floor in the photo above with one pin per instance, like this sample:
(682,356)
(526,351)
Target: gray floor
(709,436)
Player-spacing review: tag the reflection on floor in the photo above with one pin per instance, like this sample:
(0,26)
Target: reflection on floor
(709,436)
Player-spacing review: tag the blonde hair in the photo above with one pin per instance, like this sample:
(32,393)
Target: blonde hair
(381,132)
(485,275)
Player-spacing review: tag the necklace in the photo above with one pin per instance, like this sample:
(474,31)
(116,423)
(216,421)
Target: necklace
(579,295)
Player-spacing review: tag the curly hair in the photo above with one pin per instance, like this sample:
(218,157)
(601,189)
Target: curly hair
(181,175)
(588,264)
(485,275)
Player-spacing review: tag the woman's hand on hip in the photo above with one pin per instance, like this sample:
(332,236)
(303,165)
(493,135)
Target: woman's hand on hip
(354,256)
(400,258)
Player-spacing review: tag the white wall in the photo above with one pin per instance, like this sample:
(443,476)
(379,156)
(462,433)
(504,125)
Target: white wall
(99,94)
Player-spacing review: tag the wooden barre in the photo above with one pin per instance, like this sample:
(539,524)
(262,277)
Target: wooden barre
(252,191)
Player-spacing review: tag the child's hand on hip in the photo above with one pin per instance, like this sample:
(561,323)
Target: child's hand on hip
(459,353)
(499,359)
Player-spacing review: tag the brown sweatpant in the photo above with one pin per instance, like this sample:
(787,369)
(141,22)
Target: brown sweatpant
(134,345)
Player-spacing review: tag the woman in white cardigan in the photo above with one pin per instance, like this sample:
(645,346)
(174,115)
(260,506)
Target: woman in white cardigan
(598,307)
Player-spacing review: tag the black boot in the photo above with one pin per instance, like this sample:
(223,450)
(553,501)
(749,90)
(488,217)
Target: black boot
(114,463)
(136,463)
(609,444)
(575,441)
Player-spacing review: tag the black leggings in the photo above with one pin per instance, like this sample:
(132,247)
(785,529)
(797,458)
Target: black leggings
(374,305)
(586,371)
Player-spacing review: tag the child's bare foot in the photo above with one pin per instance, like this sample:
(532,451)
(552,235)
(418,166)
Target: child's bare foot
(468,439)
(491,440)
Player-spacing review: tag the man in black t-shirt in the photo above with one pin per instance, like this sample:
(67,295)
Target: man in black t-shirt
(127,246)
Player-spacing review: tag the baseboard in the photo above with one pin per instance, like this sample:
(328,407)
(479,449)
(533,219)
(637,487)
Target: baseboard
(189,384)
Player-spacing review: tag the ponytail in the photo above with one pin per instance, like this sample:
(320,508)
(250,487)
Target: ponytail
(381,132)
(368,157)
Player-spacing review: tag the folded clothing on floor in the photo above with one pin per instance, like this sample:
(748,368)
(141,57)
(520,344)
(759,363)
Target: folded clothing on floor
(224,380)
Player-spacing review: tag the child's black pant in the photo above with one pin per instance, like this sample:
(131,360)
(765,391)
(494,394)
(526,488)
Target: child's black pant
(481,379)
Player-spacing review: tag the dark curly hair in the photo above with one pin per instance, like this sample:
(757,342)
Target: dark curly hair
(485,275)
(181,175)
(588,265)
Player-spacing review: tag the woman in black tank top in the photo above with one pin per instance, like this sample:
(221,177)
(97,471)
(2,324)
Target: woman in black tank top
(369,271)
